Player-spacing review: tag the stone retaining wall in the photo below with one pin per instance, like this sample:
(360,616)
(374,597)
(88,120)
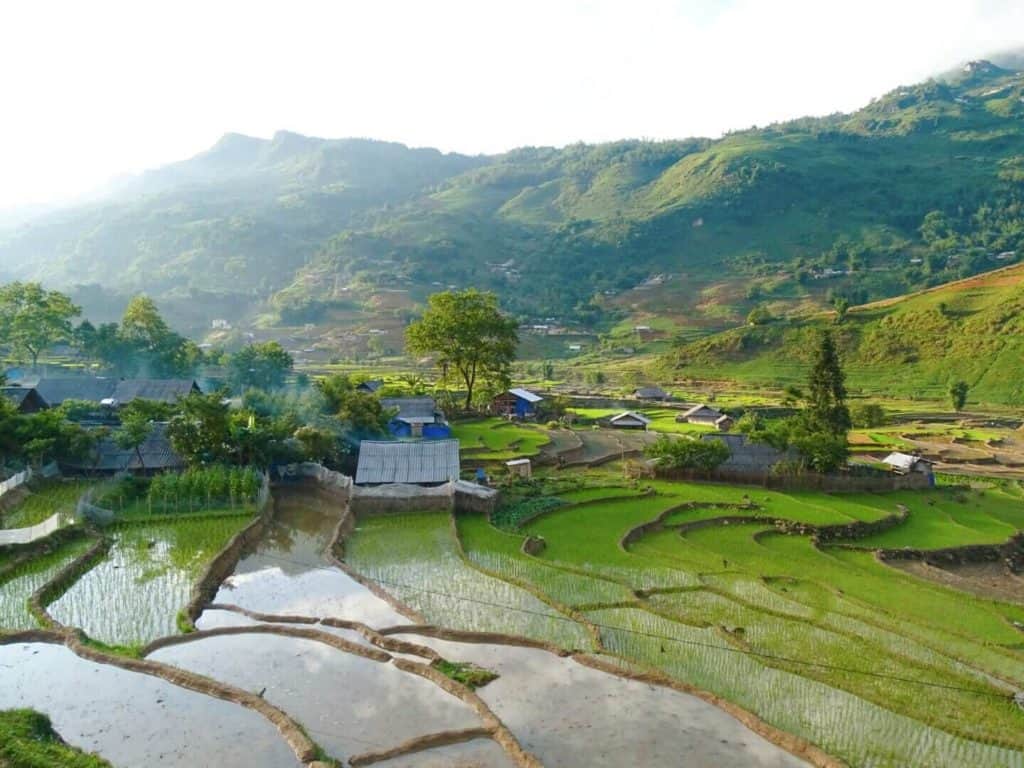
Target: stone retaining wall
(1010,553)
(808,481)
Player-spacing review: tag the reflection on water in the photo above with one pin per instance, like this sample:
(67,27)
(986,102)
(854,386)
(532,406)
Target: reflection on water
(135,593)
(559,710)
(133,719)
(288,572)
(349,704)
(478,753)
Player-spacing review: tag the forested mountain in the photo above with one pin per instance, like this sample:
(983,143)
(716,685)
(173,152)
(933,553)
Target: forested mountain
(920,186)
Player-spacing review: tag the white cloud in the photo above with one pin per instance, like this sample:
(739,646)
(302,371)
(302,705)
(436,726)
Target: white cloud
(93,89)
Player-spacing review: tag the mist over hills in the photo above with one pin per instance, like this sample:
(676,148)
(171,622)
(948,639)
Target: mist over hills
(296,223)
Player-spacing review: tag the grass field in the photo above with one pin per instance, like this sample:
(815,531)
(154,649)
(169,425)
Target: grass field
(498,440)
(27,740)
(875,666)
(45,499)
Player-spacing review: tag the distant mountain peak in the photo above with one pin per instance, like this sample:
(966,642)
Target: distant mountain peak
(980,67)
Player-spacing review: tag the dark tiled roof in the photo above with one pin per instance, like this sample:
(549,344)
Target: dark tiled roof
(157,453)
(748,456)
(370,386)
(653,393)
(160,390)
(18,395)
(414,410)
(91,388)
(432,461)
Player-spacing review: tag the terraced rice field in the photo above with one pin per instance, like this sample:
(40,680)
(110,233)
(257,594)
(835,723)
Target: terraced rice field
(877,667)
(18,584)
(134,594)
(497,439)
(44,499)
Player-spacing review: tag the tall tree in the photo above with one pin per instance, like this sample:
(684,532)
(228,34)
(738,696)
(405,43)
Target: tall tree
(264,366)
(33,319)
(826,409)
(958,395)
(469,335)
(147,344)
(135,429)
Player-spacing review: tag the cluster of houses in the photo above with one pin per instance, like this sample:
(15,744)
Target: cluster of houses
(108,395)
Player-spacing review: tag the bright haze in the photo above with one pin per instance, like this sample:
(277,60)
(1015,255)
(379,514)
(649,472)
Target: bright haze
(93,90)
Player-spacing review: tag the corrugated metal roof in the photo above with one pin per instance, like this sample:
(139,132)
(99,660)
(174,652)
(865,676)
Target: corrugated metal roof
(525,394)
(630,415)
(413,410)
(903,461)
(434,461)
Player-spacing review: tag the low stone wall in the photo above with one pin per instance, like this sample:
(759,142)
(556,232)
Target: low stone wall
(861,529)
(397,498)
(1010,553)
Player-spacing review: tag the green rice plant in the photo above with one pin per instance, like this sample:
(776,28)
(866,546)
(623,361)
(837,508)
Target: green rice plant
(414,557)
(45,499)
(852,728)
(17,586)
(133,596)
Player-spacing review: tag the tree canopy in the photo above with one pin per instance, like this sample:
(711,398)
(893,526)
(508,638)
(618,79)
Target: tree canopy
(265,366)
(469,336)
(32,319)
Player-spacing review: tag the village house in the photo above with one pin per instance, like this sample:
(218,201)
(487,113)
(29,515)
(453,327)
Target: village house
(416,463)
(906,464)
(107,458)
(516,403)
(651,393)
(705,415)
(629,420)
(371,386)
(416,417)
(748,457)
(113,392)
(24,399)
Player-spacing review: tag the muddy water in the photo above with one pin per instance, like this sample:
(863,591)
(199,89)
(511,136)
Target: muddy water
(288,572)
(479,753)
(349,704)
(133,719)
(560,710)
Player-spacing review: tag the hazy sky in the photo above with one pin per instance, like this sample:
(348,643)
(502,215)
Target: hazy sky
(93,89)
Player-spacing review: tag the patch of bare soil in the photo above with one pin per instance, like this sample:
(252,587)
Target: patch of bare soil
(989,580)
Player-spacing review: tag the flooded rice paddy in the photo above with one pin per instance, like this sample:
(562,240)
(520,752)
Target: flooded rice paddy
(289,571)
(349,704)
(17,586)
(133,719)
(134,594)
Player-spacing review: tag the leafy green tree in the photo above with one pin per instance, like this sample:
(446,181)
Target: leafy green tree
(958,395)
(135,429)
(265,366)
(317,444)
(687,453)
(826,409)
(145,344)
(842,306)
(200,433)
(760,315)
(32,319)
(867,415)
(468,335)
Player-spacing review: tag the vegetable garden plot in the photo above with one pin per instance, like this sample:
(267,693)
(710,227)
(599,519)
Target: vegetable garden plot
(413,557)
(133,596)
(17,586)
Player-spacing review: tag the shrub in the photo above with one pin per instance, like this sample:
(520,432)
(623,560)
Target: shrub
(687,453)
(868,415)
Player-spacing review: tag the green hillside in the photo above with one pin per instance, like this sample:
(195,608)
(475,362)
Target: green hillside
(919,187)
(913,346)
